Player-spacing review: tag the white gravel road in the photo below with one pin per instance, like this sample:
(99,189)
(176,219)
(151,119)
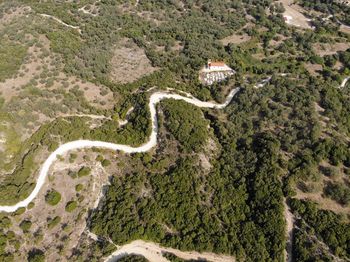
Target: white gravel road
(79,144)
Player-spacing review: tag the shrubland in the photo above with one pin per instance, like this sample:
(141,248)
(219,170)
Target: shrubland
(269,140)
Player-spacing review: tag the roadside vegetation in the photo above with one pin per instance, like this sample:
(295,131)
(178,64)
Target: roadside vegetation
(53,197)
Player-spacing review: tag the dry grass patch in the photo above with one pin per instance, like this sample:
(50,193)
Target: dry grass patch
(235,39)
(324,203)
(279,39)
(295,12)
(330,49)
(345,29)
(313,69)
(314,190)
(13,13)
(59,240)
(98,96)
(129,62)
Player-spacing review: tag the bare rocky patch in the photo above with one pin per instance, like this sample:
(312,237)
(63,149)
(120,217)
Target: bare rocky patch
(235,39)
(314,69)
(294,14)
(129,62)
(330,49)
(13,13)
(58,240)
(314,189)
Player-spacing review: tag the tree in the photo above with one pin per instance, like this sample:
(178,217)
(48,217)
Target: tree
(36,255)
(52,197)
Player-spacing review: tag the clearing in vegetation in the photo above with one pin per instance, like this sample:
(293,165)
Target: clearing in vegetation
(294,14)
(129,62)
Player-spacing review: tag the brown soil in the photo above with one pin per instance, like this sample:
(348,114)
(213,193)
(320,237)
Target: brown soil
(235,39)
(338,65)
(345,29)
(129,62)
(324,203)
(280,39)
(316,193)
(330,49)
(13,13)
(296,12)
(98,96)
(313,69)
(60,241)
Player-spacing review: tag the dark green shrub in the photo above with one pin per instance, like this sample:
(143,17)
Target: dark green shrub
(71,206)
(52,197)
(25,225)
(84,171)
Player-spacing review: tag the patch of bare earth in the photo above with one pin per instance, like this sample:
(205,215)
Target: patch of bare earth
(345,29)
(338,65)
(235,39)
(97,95)
(313,69)
(295,14)
(91,9)
(38,58)
(324,203)
(209,152)
(279,39)
(313,190)
(330,49)
(129,62)
(38,92)
(289,231)
(149,16)
(60,240)
(13,13)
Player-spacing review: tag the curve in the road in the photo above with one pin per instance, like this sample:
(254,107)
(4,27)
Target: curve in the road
(154,253)
(79,144)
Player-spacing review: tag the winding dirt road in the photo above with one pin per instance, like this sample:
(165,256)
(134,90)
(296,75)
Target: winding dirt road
(79,144)
(153,252)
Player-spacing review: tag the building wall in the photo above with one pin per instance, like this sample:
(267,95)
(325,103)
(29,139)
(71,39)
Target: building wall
(218,68)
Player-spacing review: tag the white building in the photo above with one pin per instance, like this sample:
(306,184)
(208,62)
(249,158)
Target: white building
(217,66)
(215,72)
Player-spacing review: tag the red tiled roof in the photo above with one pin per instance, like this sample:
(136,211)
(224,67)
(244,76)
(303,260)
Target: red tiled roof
(217,63)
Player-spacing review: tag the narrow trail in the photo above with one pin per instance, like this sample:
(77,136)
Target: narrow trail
(61,22)
(86,115)
(289,217)
(153,252)
(80,144)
